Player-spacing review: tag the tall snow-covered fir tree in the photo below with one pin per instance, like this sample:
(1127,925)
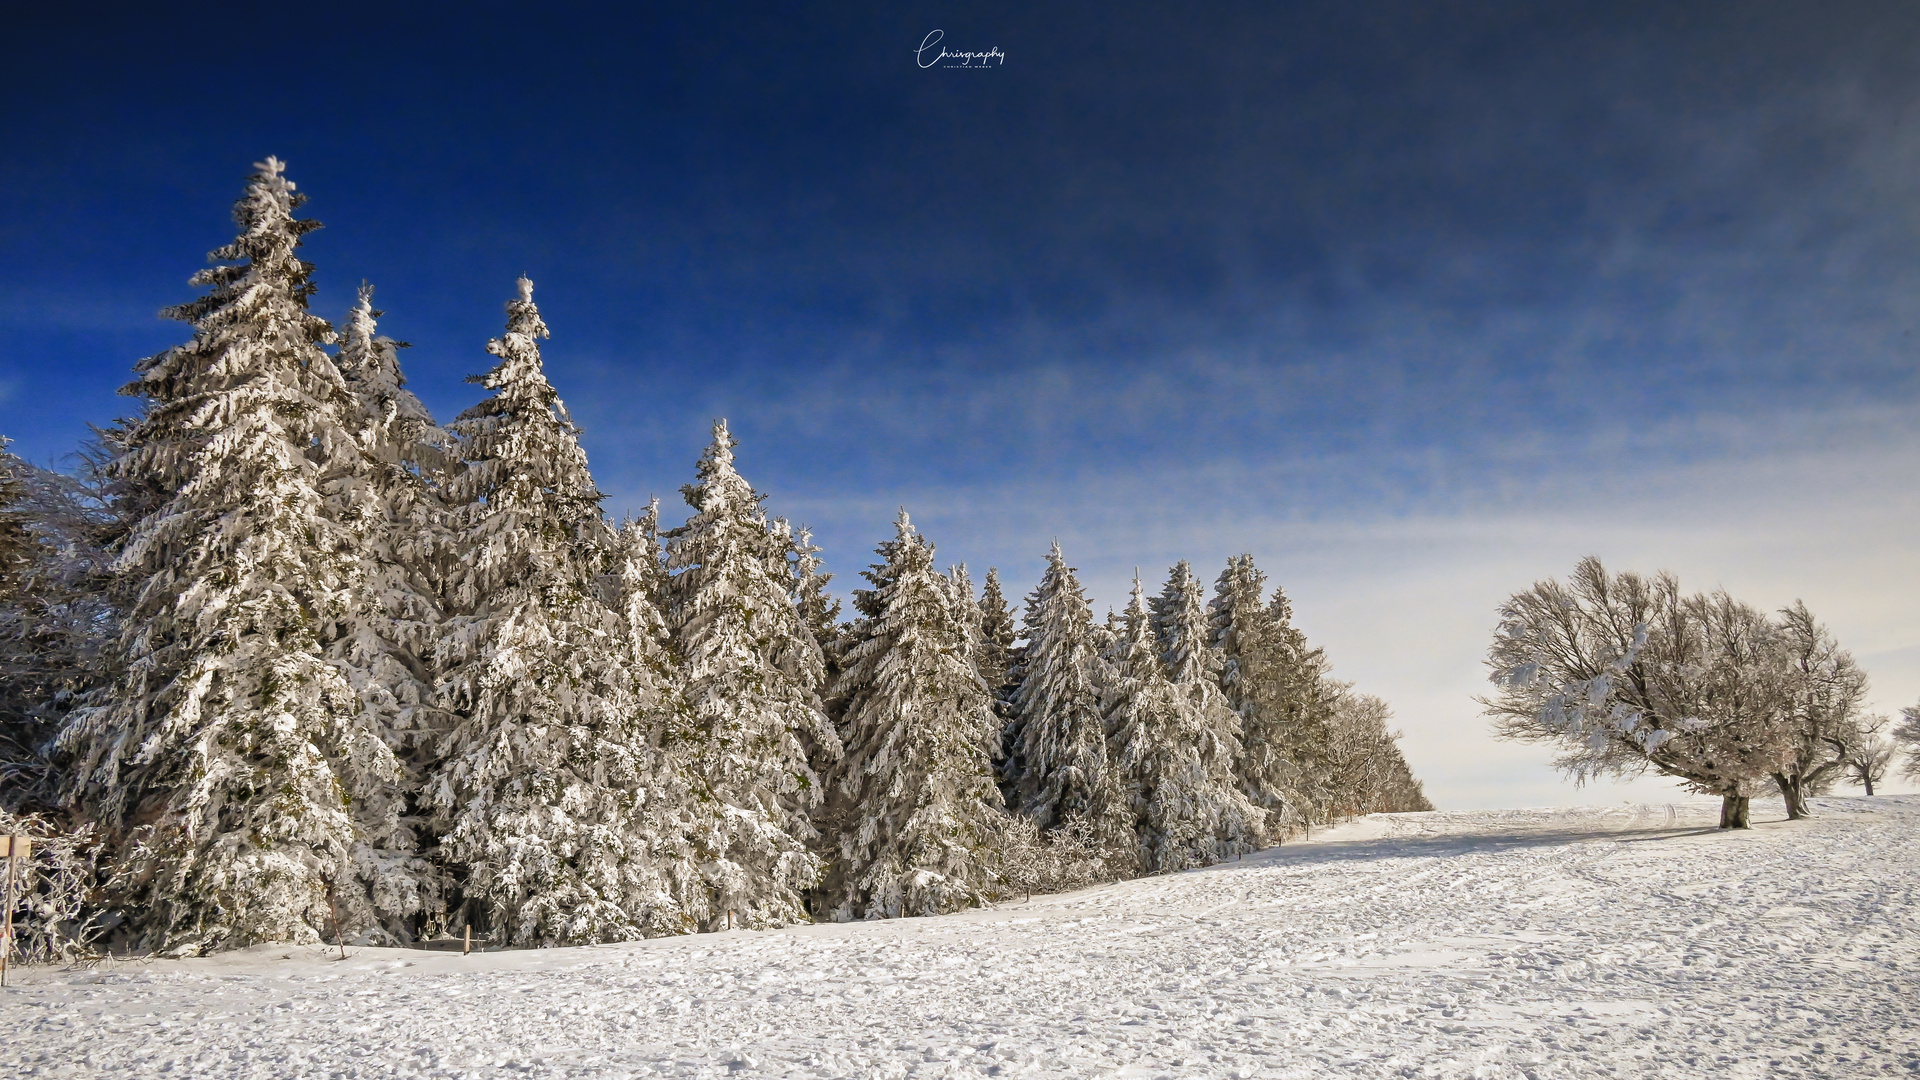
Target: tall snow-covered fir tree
(960,583)
(997,631)
(389,496)
(213,759)
(819,610)
(1193,667)
(1059,742)
(921,811)
(998,634)
(1254,678)
(1140,714)
(639,592)
(545,779)
(750,674)
(1297,705)
(1173,735)
(974,618)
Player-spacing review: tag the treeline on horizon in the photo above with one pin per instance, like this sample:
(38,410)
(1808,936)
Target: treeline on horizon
(286,660)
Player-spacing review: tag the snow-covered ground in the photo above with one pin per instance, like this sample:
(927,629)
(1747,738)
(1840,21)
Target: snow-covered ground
(1521,943)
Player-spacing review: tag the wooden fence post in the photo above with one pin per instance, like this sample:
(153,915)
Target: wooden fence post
(17,848)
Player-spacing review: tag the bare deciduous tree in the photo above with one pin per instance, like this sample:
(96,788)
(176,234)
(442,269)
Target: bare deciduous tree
(1367,774)
(1824,689)
(1864,751)
(1625,674)
(1906,738)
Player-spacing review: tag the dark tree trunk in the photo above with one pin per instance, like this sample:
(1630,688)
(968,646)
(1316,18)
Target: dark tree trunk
(1795,792)
(1735,812)
(1867,780)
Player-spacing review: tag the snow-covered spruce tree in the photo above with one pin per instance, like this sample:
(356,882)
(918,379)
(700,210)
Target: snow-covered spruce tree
(1212,728)
(1158,749)
(750,673)
(1139,712)
(921,813)
(960,589)
(960,584)
(212,761)
(997,637)
(1107,634)
(637,590)
(1059,742)
(1299,699)
(1825,689)
(640,585)
(1625,674)
(1255,677)
(389,495)
(819,611)
(545,780)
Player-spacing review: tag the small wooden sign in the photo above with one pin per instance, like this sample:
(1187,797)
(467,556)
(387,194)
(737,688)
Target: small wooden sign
(16,847)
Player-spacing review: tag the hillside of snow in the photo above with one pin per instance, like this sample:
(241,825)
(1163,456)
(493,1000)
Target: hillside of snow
(1623,942)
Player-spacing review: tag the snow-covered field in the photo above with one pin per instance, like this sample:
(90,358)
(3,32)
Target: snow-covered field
(1523,943)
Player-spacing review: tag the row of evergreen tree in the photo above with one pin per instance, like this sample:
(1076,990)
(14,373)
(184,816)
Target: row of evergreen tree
(309,664)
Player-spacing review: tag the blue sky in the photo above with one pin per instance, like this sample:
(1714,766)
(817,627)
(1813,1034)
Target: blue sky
(1416,302)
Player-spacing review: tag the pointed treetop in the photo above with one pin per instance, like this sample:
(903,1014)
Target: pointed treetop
(520,374)
(360,320)
(267,207)
(1280,607)
(997,632)
(269,275)
(719,455)
(1136,626)
(820,612)
(1180,623)
(524,322)
(358,344)
(718,487)
(269,178)
(1236,605)
(521,446)
(963,594)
